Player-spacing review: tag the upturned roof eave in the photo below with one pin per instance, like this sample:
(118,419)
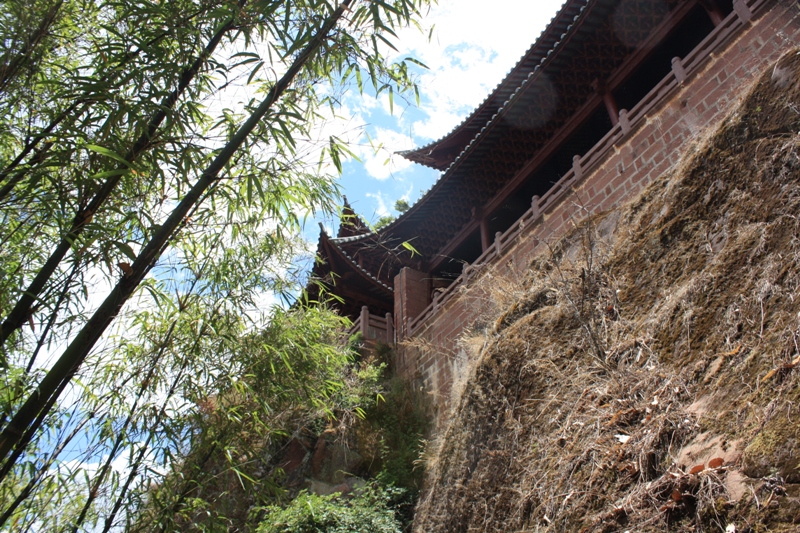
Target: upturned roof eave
(476,120)
(334,244)
(570,19)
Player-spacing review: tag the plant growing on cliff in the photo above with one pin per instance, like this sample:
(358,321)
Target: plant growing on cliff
(285,377)
(367,512)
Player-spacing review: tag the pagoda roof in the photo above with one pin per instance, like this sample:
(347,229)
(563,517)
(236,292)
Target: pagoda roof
(440,154)
(540,105)
(586,42)
(343,276)
(350,223)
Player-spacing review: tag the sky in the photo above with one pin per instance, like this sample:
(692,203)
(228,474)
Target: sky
(474,44)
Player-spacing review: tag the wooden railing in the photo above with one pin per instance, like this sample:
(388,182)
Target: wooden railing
(374,327)
(629,121)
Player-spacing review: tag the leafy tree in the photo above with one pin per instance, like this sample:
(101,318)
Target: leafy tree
(401,206)
(384,221)
(127,169)
(285,377)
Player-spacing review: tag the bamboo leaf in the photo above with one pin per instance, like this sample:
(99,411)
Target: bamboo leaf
(108,153)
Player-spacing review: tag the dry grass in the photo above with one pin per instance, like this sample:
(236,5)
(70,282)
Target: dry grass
(618,353)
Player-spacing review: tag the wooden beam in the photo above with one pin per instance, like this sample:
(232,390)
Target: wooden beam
(485,242)
(713,10)
(354,298)
(612,108)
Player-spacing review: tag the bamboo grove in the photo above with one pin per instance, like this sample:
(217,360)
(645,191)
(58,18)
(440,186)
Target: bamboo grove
(157,160)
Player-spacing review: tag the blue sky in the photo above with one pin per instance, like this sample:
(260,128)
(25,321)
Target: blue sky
(474,45)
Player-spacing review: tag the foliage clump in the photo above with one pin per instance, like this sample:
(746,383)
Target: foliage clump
(368,511)
(301,389)
(396,427)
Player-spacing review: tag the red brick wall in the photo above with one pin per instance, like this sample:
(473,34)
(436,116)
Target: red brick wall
(412,288)
(432,355)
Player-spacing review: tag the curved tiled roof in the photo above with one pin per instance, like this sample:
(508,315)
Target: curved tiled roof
(582,43)
(546,97)
(350,223)
(485,112)
(363,271)
(352,238)
(344,277)
(337,242)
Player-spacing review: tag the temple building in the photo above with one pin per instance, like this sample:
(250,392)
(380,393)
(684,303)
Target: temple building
(603,103)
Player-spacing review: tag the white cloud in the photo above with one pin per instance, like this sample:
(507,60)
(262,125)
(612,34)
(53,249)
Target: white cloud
(382,210)
(380,160)
(473,47)
(407,195)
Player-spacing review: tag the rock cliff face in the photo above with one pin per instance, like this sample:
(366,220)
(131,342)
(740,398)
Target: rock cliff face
(648,378)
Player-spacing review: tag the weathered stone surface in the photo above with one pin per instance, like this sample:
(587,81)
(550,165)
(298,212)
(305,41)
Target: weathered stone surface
(294,460)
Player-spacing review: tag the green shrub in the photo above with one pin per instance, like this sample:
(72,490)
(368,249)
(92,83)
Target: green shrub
(403,422)
(365,512)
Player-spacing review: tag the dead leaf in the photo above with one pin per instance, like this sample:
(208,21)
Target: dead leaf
(716,462)
(87,217)
(676,495)
(30,321)
(126,269)
(696,469)
(785,366)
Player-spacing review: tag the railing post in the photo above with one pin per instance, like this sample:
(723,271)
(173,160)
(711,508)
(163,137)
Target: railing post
(365,321)
(624,121)
(389,329)
(678,70)
(465,270)
(576,167)
(498,247)
(536,211)
(742,10)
